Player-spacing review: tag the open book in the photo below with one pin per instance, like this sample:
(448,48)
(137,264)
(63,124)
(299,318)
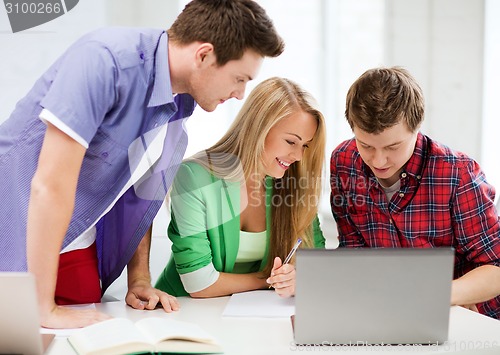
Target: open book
(153,335)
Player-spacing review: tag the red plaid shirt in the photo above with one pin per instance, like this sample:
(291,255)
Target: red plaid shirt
(444,200)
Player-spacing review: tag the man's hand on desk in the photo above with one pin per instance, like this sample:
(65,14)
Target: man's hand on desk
(471,307)
(66,317)
(141,295)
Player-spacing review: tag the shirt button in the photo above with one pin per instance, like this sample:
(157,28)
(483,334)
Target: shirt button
(401,194)
(390,221)
(403,175)
(104,154)
(418,177)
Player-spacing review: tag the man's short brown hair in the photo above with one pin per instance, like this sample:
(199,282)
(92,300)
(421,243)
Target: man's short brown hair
(382,97)
(231,26)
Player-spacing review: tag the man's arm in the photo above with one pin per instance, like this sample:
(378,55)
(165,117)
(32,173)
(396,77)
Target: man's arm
(51,205)
(478,285)
(141,295)
(477,228)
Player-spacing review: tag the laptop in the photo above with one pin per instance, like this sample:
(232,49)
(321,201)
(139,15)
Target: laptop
(372,296)
(19,317)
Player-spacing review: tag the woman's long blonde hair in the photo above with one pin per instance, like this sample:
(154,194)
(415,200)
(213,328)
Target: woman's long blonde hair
(238,155)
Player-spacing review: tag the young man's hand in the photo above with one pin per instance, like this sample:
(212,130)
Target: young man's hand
(141,295)
(61,317)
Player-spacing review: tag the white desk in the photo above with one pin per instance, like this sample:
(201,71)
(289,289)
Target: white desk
(469,333)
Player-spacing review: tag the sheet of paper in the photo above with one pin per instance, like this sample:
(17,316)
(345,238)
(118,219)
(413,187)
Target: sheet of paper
(261,303)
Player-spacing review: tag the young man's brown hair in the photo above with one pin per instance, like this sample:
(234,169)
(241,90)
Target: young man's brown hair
(231,26)
(382,97)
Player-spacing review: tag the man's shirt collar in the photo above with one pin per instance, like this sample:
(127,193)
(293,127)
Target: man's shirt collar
(162,87)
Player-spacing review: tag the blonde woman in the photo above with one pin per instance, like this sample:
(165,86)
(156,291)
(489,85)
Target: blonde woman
(240,206)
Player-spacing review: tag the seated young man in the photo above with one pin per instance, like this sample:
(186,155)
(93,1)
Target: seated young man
(392,186)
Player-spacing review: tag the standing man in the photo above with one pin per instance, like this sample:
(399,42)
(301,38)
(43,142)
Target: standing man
(87,156)
(394,187)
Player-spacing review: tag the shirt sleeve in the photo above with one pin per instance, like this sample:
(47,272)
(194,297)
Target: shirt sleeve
(348,233)
(82,90)
(319,239)
(191,247)
(47,117)
(476,222)
(200,279)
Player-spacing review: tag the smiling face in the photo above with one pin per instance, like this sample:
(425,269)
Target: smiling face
(211,85)
(386,153)
(286,141)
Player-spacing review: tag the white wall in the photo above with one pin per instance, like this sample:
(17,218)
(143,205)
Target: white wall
(453,49)
(441,42)
(491,123)
(25,55)
(451,46)
(329,43)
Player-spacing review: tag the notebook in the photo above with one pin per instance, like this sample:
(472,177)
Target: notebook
(373,296)
(19,320)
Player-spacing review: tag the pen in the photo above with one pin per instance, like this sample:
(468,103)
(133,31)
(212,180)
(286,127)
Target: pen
(290,254)
(294,249)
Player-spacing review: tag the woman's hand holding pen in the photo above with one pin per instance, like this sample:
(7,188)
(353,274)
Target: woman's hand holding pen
(282,278)
(283,274)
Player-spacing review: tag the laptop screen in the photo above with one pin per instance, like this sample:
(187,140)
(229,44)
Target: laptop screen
(20,322)
(373,296)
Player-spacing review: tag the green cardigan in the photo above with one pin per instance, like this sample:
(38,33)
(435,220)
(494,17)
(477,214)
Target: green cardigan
(205,226)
